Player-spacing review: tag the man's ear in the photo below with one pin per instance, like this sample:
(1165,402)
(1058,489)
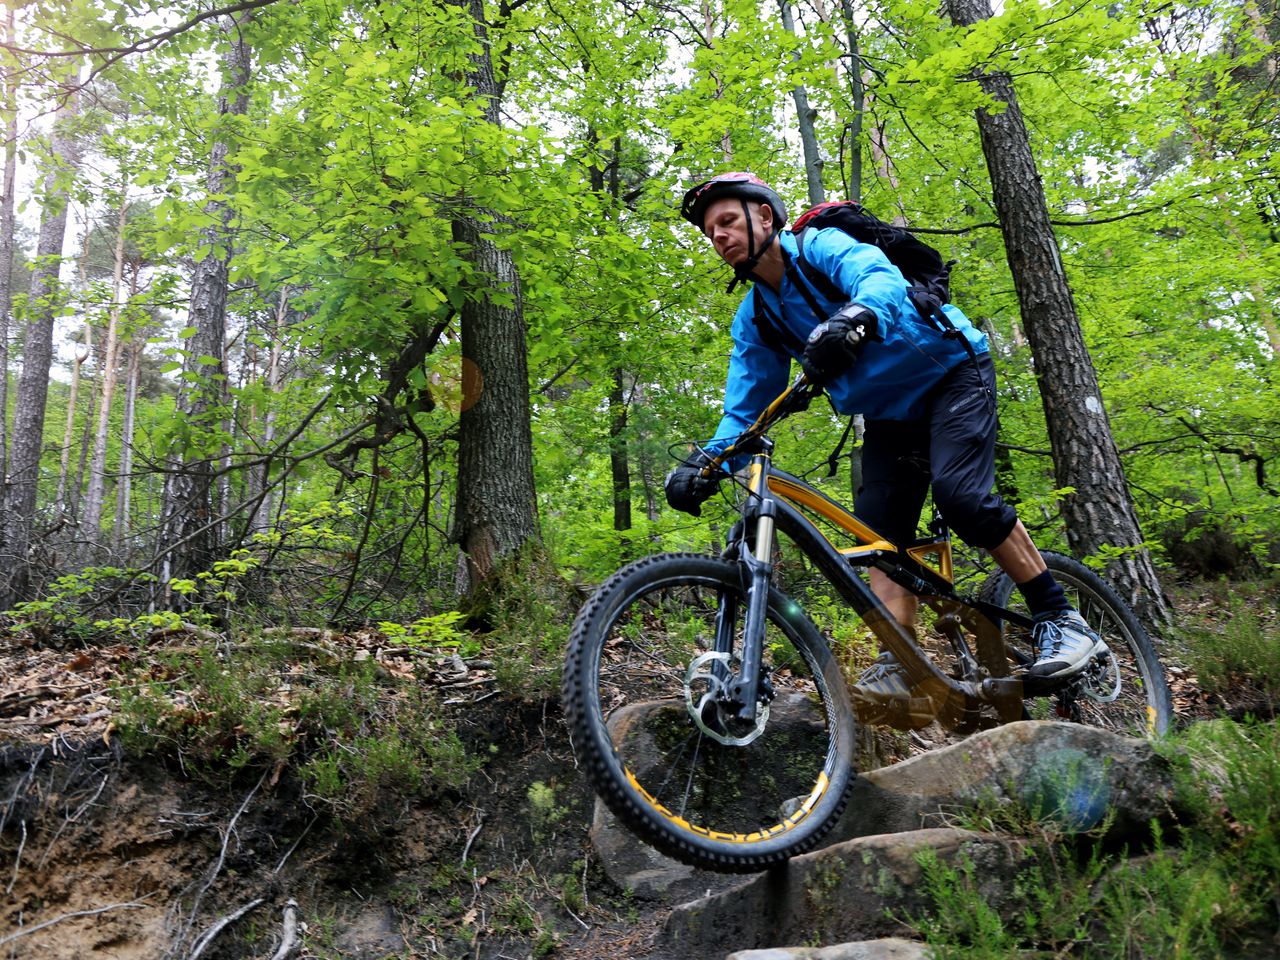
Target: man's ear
(766,216)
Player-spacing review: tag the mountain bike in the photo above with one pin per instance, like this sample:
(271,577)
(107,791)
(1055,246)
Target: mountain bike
(712,715)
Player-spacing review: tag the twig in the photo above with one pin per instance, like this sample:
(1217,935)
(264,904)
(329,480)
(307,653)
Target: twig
(289,934)
(288,853)
(471,839)
(71,819)
(25,931)
(222,856)
(18,859)
(206,938)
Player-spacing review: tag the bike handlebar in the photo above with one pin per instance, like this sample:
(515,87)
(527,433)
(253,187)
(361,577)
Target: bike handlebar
(795,398)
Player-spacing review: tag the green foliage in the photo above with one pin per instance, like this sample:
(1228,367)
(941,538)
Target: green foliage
(1209,895)
(356,738)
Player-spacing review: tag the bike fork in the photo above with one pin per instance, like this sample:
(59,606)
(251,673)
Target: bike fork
(745,689)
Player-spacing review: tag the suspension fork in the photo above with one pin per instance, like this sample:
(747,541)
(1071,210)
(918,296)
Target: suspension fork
(744,689)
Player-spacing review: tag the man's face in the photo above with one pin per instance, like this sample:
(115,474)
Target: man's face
(726,226)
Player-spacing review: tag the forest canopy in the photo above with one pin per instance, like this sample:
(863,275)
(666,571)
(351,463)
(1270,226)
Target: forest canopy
(346,302)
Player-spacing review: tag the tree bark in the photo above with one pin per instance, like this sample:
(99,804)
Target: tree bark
(125,484)
(496,502)
(857,91)
(805,116)
(189,537)
(1099,514)
(7,222)
(37,359)
(96,491)
(619,468)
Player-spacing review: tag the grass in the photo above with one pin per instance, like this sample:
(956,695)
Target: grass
(1211,891)
(356,736)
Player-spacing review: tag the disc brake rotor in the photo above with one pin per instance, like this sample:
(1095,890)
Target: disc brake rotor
(1101,680)
(709,705)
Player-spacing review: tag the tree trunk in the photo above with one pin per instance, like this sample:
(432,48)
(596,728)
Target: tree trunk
(68,433)
(110,367)
(188,531)
(7,218)
(619,469)
(497,506)
(125,484)
(37,359)
(858,92)
(261,521)
(805,116)
(1099,514)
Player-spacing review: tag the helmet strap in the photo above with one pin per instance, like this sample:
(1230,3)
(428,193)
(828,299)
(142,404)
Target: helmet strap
(744,272)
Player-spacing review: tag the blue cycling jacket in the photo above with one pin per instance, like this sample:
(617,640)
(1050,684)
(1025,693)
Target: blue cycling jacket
(892,375)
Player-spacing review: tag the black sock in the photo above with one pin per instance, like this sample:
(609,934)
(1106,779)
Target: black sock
(1044,594)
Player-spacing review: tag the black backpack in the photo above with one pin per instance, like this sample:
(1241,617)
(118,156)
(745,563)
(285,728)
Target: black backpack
(927,274)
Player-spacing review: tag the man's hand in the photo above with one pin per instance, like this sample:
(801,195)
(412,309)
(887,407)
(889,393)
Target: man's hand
(685,486)
(836,342)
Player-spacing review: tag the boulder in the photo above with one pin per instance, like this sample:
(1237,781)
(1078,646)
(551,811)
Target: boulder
(1074,776)
(849,891)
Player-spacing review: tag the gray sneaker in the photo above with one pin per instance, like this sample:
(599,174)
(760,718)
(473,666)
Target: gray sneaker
(883,694)
(883,680)
(1064,643)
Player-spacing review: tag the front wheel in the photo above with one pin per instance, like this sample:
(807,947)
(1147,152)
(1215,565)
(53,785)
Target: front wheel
(1125,692)
(645,689)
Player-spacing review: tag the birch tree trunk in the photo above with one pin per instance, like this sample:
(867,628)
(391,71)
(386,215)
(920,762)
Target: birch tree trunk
(124,485)
(1099,514)
(188,534)
(496,503)
(111,362)
(37,359)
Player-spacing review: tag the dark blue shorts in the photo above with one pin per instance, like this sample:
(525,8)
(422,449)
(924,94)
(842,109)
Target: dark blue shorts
(951,449)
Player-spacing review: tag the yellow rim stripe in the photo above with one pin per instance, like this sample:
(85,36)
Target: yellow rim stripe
(805,809)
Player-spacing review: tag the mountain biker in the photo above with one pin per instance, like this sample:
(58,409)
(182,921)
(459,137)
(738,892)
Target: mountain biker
(929,404)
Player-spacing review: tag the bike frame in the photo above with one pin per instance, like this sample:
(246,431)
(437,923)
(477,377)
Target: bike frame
(774,503)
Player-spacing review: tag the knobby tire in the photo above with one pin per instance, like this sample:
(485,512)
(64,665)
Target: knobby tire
(1144,706)
(627,695)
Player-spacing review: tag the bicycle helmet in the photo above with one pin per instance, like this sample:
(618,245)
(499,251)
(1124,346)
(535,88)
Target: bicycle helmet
(746,187)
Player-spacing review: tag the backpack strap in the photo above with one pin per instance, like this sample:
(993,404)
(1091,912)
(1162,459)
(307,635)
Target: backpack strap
(777,336)
(926,301)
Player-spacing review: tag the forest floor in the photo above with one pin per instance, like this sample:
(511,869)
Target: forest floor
(108,853)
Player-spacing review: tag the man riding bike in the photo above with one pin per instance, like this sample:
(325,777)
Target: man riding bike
(928,400)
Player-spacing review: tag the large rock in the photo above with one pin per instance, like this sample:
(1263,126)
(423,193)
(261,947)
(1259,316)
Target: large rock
(890,948)
(1076,777)
(1072,775)
(842,893)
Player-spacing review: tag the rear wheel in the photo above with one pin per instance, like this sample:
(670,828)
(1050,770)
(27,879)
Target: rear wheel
(645,696)
(1125,691)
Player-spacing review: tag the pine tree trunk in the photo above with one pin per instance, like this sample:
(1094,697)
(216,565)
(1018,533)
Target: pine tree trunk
(1100,513)
(37,359)
(497,506)
(188,532)
(7,222)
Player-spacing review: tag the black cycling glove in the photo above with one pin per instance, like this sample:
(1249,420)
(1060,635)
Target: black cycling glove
(835,343)
(685,486)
